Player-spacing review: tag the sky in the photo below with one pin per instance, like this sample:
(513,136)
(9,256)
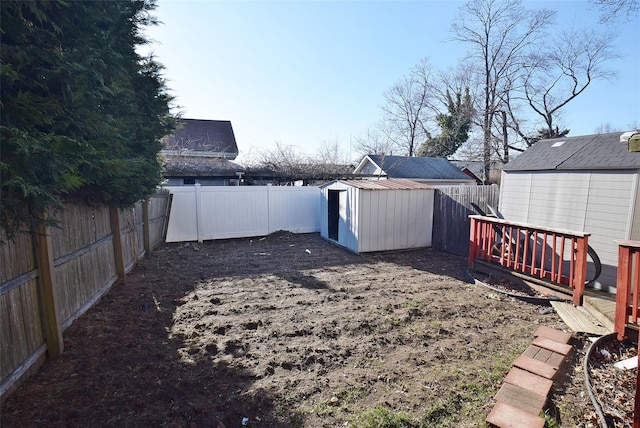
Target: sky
(308,74)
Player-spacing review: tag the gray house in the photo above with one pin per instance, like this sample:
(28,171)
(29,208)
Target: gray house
(589,183)
(201,151)
(433,171)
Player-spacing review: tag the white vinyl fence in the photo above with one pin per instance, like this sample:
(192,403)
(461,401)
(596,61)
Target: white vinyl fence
(200,213)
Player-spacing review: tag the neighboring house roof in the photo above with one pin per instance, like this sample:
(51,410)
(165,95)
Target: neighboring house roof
(207,138)
(391,184)
(416,168)
(599,151)
(199,166)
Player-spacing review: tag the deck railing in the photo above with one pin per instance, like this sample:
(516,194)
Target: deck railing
(627,291)
(628,286)
(555,255)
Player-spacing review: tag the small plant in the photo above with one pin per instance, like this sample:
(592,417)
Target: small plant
(412,303)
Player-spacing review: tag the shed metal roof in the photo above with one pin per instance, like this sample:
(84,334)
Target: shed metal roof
(599,151)
(390,184)
(418,168)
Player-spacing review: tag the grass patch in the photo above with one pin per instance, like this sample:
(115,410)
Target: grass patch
(380,417)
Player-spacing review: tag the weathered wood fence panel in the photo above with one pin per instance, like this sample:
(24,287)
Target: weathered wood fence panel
(83,268)
(451,211)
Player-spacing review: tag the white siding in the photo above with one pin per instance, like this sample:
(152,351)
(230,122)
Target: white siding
(598,202)
(608,213)
(635,223)
(558,200)
(515,189)
(395,219)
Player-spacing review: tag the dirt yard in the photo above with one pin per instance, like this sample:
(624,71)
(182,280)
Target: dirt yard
(289,330)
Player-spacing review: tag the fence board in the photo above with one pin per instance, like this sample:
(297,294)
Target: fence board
(452,207)
(210,212)
(16,257)
(83,270)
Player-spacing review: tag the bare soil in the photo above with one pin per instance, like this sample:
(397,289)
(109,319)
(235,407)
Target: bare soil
(290,330)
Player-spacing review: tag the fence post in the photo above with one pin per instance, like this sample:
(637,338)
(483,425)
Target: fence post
(145,227)
(117,241)
(199,222)
(46,280)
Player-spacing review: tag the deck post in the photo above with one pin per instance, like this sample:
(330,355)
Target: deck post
(581,269)
(473,238)
(622,290)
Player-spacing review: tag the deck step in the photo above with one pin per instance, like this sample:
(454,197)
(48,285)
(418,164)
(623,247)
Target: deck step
(602,309)
(578,319)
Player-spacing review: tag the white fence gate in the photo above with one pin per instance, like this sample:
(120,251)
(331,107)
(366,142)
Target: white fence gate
(201,213)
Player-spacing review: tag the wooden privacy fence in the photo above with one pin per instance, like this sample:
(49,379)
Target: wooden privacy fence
(50,277)
(628,302)
(558,256)
(451,210)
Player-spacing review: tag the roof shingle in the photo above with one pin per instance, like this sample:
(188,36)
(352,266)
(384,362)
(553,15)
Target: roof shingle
(418,168)
(599,151)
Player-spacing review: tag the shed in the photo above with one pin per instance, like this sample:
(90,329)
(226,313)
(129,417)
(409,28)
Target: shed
(377,215)
(588,183)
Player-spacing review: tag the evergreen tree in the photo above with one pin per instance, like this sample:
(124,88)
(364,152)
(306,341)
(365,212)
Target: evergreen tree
(81,113)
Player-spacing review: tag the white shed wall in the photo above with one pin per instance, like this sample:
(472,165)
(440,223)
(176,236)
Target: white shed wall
(395,219)
(381,220)
(598,202)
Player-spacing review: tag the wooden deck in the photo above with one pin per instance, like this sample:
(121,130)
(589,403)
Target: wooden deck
(596,316)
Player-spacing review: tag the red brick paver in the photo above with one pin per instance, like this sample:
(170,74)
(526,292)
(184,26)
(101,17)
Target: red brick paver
(525,379)
(504,415)
(524,392)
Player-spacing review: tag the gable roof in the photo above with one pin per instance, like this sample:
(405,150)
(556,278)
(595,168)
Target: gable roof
(196,137)
(598,151)
(421,168)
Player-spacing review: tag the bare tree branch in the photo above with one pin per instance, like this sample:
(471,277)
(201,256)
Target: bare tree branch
(409,108)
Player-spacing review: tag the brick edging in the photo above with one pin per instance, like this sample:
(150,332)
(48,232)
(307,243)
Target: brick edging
(526,387)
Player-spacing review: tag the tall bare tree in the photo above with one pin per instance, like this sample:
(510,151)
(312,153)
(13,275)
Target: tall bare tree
(611,10)
(409,108)
(500,34)
(562,71)
(375,142)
